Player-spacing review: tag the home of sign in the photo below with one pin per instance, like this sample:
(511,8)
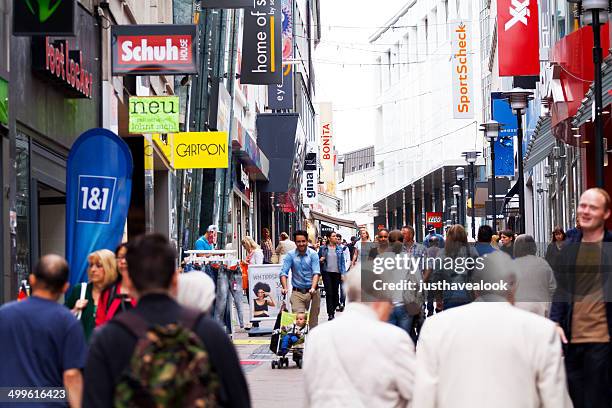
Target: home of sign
(55,61)
(154,114)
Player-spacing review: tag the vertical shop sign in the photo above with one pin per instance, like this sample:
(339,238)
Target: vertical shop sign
(463,76)
(97,197)
(281,96)
(261,44)
(518,37)
(326,143)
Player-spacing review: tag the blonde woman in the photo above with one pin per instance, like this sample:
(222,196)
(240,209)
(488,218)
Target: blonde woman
(102,272)
(255,255)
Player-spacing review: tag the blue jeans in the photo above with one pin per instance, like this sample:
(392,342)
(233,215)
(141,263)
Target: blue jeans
(225,289)
(288,341)
(400,318)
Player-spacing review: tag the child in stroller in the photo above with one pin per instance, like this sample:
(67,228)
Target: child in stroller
(289,337)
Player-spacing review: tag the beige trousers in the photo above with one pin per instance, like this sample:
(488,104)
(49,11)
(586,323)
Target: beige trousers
(301,301)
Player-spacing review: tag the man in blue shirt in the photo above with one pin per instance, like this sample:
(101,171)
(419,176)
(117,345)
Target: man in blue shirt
(42,343)
(483,246)
(204,242)
(305,272)
(431,232)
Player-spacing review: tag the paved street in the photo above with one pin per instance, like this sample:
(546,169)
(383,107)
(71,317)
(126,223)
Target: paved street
(268,387)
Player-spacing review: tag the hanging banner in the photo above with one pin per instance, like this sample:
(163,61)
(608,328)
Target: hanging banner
(98,188)
(266,296)
(518,37)
(463,76)
(434,218)
(154,114)
(200,150)
(326,143)
(154,49)
(262,44)
(504,146)
(309,187)
(54,18)
(226,4)
(281,96)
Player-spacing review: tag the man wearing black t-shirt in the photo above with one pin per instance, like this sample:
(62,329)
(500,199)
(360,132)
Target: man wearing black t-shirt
(151,269)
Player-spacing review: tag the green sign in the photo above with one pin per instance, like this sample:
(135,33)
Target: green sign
(154,114)
(3,102)
(44,17)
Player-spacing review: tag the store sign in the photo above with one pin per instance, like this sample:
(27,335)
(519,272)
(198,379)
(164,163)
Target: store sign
(280,96)
(4,109)
(200,150)
(309,187)
(462,74)
(154,49)
(56,61)
(226,4)
(97,197)
(434,218)
(154,114)
(327,143)
(262,44)
(44,17)
(244,178)
(518,37)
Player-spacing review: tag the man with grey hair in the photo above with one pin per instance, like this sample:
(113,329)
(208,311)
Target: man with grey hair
(507,357)
(359,360)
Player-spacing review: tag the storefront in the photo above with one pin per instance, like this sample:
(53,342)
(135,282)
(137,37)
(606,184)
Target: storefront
(54,97)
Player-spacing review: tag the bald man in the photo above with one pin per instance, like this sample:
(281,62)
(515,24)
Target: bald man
(42,343)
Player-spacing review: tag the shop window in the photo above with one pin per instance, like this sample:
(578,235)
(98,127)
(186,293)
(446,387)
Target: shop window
(22,157)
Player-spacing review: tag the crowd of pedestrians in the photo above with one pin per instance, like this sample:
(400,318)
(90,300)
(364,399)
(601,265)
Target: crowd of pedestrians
(535,333)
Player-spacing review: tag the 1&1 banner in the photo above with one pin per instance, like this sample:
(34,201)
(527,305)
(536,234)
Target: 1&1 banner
(98,189)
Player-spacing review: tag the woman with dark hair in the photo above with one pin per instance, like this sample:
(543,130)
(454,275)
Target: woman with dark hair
(262,300)
(554,248)
(452,266)
(506,239)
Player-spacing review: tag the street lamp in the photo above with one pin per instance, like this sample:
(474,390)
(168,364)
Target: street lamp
(518,99)
(491,131)
(454,212)
(595,11)
(460,172)
(470,158)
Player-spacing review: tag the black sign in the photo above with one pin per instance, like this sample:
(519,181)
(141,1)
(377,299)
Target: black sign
(44,17)
(154,49)
(280,97)
(227,4)
(310,162)
(262,58)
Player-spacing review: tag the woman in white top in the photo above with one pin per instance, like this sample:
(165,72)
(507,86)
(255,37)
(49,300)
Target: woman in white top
(284,247)
(365,237)
(255,255)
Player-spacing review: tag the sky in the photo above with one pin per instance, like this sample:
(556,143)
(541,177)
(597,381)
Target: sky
(346,26)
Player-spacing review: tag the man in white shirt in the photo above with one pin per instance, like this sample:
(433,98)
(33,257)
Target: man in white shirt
(359,360)
(489,353)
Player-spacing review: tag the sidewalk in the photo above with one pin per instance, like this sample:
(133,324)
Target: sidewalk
(269,387)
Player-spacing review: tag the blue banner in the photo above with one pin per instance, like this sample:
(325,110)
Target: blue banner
(504,147)
(98,189)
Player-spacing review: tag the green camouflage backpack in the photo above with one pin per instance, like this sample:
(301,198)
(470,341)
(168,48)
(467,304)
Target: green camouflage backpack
(169,367)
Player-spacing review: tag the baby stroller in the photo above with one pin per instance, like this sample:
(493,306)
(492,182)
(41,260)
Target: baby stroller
(285,320)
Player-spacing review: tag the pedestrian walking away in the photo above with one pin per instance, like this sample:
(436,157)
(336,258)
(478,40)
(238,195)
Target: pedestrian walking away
(42,343)
(303,263)
(204,366)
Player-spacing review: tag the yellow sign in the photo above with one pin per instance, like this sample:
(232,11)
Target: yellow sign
(201,150)
(164,143)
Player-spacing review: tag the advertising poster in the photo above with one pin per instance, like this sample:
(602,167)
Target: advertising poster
(97,197)
(504,146)
(265,296)
(281,96)
(154,49)
(154,114)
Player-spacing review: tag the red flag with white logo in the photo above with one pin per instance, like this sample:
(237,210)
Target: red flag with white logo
(518,37)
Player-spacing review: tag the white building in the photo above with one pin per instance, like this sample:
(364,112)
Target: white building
(419,140)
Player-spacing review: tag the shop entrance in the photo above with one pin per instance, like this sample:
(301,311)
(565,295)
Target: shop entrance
(51,214)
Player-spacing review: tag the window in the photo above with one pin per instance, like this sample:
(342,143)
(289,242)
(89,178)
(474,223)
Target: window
(22,162)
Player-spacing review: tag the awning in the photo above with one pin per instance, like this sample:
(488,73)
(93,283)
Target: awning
(541,145)
(333,220)
(585,111)
(245,147)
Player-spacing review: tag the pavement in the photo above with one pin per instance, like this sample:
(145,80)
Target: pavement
(269,387)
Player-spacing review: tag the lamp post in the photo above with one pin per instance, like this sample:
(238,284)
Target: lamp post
(491,131)
(518,99)
(460,172)
(596,11)
(470,158)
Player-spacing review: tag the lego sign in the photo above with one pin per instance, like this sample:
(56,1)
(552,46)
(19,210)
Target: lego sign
(434,218)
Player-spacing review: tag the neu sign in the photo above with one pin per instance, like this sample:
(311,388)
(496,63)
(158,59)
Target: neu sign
(154,49)
(154,114)
(55,60)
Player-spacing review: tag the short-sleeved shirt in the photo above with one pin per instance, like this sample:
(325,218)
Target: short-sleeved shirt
(202,244)
(39,339)
(303,267)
